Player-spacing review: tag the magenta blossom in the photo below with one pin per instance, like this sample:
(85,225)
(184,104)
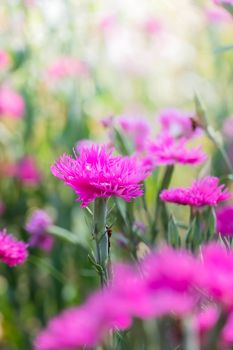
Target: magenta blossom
(225,220)
(96,172)
(37,226)
(206,191)
(27,171)
(177,123)
(12,252)
(167,150)
(11,103)
(67,67)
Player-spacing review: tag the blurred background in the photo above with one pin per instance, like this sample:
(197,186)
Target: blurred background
(65,65)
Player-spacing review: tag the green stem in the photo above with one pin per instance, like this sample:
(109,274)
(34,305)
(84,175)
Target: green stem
(213,335)
(101,237)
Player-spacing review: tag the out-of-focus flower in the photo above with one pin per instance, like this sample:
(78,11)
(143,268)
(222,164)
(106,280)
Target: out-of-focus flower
(216,277)
(37,226)
(152,25)
(222,2)
(228,127)
(27,171)
(225,220)
(107,22)
(107,122)
(11,103)
(137,127)
(4,60)
(218,15)
(206,191)
(12,252)
(167,150)
(97,173)
(67,67)
(178,123)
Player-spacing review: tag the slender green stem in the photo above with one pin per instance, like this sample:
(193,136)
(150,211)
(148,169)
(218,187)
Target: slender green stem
(101,237)
(213,335)
(191,338)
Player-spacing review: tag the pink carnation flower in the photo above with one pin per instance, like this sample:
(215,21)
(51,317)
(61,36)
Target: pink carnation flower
(177,123)
(12,252)
(167,150)
(37,226)
(27,171)
(206,191)
(11,103)
(96,172)
(225,220)
(66,67)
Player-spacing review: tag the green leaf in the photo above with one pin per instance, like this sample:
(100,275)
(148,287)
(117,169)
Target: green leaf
(194,236)
(173,236)
(223,49)
(64,234)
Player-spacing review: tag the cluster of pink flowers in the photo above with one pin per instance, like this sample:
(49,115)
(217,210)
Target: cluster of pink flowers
(96,172)
(67,67)
(12,252)
(38,225)
(168,282)
(206,191)
(11,103)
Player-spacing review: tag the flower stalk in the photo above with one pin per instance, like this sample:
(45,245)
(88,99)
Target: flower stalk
(101,237)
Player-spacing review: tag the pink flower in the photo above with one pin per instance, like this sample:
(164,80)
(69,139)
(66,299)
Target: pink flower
(27,171)
(137,127)
(225,220)
(228,127)
(97,173)
(167,150)
(177,123)
(67,67)
(12,252)
(152,25)
(206,191)
(11,103)
(4,60)
(218,15)
(222,2)
(107,22)
(37,226)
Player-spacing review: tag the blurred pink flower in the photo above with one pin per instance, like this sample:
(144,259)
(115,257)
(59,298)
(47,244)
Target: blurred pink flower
(107,22)
(222,2)
(177,123)
(216,276)
(11,103)
(206,191)
(218,15)
(228,127)
(27,171)
(97,173)
(225,220)
(67,67)
(4,60)
(37,226)
(137,127)
(167,150)
(12,252)
(152,25)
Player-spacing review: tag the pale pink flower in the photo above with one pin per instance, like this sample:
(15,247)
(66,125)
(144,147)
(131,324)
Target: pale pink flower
(67,67)
(38,225)
(167,150)
(177,123)
(218,15)
(228,127)
(27,171)
(152,25)
(12,252)
(206,191)
(107,22)
(4,60)
(11,103)
(222,2)
(96,172)
(225,220)
(136,127)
